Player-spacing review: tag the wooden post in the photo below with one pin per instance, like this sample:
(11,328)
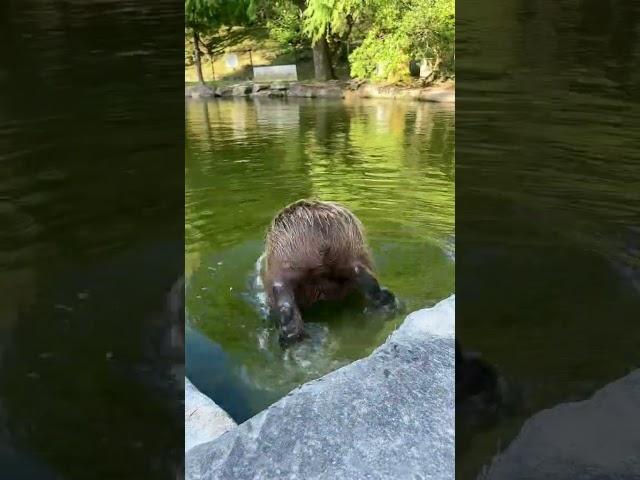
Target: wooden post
(251,62)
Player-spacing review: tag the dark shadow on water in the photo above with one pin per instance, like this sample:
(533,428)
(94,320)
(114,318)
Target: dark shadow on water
(212,372)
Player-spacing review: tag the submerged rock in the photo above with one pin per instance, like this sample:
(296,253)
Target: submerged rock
(597,438)
(203,419)
(388,416)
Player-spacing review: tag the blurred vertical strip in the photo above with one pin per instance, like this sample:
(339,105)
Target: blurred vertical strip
(91,239)
(547,238)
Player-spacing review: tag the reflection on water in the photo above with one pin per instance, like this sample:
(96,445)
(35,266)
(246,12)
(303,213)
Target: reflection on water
(391,163)
(548,192)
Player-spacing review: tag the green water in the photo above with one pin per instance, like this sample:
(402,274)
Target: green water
(391,163)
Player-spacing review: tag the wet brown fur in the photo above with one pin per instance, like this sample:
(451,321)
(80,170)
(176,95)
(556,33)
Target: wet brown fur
(315,246)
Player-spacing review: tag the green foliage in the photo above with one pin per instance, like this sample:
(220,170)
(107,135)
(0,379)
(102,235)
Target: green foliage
(208,15)
(332,17)
(285,23)
(401,31)
(431,25)
(389,34)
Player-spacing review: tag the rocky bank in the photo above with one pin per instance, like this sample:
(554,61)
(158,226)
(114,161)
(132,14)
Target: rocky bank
(595,439)
(387,416)
(441,93)
(203,419)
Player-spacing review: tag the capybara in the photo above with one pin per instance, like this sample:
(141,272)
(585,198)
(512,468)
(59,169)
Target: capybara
(316,251)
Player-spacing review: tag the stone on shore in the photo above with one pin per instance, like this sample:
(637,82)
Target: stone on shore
(598,438)
(259,87)
(437,94)
(301,90)
(387,416)
(198,91)
(278,86)
(331,90)
(241,90)
(443,93)
(203,419)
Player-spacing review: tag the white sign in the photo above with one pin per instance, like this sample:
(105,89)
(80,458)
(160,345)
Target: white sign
(275,72)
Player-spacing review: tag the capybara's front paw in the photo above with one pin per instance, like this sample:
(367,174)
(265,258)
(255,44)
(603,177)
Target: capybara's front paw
(385,300)
(290,334)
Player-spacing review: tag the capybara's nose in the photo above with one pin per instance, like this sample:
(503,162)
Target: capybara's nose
(386,299)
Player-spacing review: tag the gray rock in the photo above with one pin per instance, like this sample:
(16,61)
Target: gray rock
(315,91)
(241,90)
(594,439)
(261,93)
(203,419)
(439,95)
(301,90)
(199,91)
(278,86)
(226,91)
(277,93)
(330,92)
(259,87)
(388,416)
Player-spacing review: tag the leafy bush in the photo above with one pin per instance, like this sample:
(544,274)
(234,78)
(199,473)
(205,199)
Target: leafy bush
(285,23)
(401,31)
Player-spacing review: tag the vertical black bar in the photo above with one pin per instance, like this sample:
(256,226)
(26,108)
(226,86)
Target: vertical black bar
(547,223)
(92,239)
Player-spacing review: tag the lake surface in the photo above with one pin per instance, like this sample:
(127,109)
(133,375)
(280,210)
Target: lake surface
(391,163)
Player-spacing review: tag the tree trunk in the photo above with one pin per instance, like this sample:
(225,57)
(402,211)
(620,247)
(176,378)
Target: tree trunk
(196,56)
(322,60)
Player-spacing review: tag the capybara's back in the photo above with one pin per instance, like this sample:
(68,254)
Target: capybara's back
(315,237)
(316,251)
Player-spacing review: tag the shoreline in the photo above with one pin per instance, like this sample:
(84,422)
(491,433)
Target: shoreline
(395,399)
(335,89)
